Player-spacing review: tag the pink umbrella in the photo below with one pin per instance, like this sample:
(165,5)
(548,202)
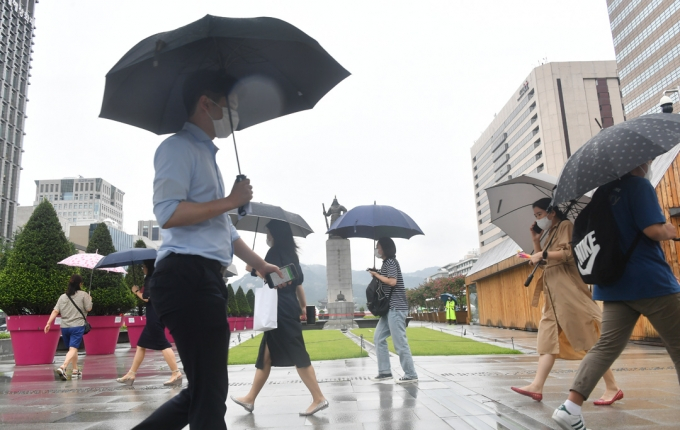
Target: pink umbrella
(88,261)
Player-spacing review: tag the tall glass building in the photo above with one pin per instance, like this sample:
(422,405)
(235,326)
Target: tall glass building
(647,44)
(17,25)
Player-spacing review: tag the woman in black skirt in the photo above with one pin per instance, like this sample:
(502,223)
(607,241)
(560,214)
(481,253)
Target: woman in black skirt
(152,337)
(285,346)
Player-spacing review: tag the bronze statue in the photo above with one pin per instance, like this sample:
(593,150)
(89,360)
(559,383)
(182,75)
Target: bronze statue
(341,297)
(335,211)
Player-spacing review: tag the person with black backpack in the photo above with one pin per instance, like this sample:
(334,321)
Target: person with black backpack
(570,319)
(647,286)
(394,322)
(72,306)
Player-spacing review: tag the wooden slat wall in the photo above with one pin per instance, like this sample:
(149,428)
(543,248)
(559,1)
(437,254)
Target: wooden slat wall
(504,301)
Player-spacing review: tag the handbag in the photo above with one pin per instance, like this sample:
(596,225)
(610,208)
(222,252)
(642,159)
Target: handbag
(265,315)
(376,300)
(87,325)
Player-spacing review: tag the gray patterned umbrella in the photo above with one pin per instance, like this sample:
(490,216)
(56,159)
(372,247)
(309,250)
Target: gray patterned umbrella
(616,151)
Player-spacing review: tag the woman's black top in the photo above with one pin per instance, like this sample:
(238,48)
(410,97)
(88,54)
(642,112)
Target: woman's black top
(153,335)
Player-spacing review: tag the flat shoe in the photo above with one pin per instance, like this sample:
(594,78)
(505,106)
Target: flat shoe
(247,406)
(320,407)
(617,396)
(536,396)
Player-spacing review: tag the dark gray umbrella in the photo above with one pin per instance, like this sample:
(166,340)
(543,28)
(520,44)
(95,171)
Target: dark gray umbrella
(262,213)
(127,257)
(616,151)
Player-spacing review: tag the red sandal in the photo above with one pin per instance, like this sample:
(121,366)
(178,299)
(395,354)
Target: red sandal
(536,396)
(616,397)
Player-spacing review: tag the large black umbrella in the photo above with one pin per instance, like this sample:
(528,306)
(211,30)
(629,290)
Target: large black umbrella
(616,151)
(263,213)
(279,68)
(127,257)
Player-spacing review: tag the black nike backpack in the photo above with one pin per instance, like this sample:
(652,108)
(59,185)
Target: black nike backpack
(595,240)
(376,300)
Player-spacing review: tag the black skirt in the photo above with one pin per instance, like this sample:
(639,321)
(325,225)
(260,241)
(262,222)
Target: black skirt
(153,335)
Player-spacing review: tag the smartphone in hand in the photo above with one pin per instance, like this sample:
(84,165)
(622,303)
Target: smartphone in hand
(536,229)
(289,274)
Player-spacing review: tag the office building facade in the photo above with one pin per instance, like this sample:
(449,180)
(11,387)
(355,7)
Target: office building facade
(646,37)
(16,25)
(82,201)
(555,110)
(149,229)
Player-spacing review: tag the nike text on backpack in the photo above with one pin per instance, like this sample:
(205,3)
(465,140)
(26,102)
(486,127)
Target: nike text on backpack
(595,239)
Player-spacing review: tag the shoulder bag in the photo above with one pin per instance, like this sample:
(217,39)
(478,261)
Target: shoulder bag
(87,326)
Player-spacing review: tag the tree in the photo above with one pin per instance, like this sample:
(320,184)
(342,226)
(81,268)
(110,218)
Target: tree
(232,306)
(110,295)
(135,276)
(434,289)
(243,307)
(32,281)
(250,295)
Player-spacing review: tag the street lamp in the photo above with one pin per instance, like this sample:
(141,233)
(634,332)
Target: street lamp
(666,102)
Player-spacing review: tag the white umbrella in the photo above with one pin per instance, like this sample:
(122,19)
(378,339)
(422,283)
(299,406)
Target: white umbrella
(510,203)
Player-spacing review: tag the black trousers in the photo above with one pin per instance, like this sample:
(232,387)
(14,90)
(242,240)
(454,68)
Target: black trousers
(190,297)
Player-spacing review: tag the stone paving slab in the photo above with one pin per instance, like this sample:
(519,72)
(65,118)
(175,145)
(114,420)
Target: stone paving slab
(457,392)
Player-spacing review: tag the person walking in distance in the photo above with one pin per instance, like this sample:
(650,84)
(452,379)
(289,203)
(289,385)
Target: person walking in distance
(394,323)
(285,346)
(199,241)
(152,337)
(72,323)
(648,287)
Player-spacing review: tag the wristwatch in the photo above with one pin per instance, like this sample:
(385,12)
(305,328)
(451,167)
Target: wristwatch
(253,272)
(545,254)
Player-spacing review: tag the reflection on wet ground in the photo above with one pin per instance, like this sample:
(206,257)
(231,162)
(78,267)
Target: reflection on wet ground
(469,392)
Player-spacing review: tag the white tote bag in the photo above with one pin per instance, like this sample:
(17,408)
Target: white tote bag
(266,304)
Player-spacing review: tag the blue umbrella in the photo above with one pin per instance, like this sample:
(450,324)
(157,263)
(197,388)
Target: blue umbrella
(445,297)
(127,257)
(374,222)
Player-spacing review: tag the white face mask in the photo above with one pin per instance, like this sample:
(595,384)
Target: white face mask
(648,173)
(270,242)
(223,126)
(376,252)
(543,223)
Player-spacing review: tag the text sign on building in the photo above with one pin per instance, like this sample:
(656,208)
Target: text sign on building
(523,90)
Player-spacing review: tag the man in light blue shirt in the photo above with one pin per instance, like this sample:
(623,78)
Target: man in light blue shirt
(199,241)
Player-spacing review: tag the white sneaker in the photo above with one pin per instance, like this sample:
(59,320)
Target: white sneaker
(568,421)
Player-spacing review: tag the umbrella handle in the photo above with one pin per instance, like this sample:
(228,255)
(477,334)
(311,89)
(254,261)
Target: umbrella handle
(239,178)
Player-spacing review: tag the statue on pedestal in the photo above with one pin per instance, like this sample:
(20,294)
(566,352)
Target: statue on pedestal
(335,211)
(341,297)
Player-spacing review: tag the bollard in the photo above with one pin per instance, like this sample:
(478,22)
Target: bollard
(513,342)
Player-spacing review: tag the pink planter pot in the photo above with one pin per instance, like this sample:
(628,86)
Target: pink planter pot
(103,337)
(168,336)
(135,325)
(249,323)
(240,323)
(30,343)
(232,323)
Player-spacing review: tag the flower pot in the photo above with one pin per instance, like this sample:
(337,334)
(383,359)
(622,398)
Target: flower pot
(135,325)
(367,322)
(168,336)
(239,323)
(232,323)
(249,323)
(103,337)
(30,343)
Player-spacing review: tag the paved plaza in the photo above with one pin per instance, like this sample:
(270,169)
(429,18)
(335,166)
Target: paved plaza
(461,392)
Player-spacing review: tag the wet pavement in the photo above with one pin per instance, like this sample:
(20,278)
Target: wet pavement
(459,392)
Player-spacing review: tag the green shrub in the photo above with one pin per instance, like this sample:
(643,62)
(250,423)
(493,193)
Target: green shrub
(232,306)
(4,335)
(250,295)
(371,317)
(110,294)
(32,281)
(242,302)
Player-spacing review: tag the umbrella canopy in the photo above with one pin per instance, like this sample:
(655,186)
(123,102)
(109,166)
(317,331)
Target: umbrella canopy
(127,257)
(263,213)
(374,222)
(279,68)
(511,205)
(88,261)
(616,151)
(446,296)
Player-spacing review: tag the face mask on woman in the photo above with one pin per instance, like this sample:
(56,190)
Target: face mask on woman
(270,242)
(543,223)
(377,253)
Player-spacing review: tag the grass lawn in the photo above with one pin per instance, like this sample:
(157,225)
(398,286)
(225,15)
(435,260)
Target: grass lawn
(321,345)
(425,341)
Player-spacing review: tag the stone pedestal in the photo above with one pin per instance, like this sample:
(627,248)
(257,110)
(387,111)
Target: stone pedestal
(339,278)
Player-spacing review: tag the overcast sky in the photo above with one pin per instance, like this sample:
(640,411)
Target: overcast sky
(427,78)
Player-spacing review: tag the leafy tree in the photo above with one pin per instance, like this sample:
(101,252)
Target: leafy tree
(32,281)
(250,295)
(135,276)
(434,289)
(110,295)
(232,306)
(243,307)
